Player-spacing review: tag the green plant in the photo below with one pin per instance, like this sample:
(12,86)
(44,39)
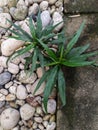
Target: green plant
(37,33)
(42,55)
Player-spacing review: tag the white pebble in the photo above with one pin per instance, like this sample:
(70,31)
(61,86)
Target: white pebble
(45,123)
(4,91)
(12,89)
(8,85)
(1,69)
(9,118)
(3,20)
(35,125)
(20,102)
(26,112)
(51,126)
(45,17)
(12,68)
(10,45)
(33,9)
(38,119)
(21,92)
(3,61)
(44,5)
(2,97)
(51,106)
(57,18)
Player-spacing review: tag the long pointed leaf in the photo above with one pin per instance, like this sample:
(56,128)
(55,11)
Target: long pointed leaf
(61,86)
(49,85)
(74,39)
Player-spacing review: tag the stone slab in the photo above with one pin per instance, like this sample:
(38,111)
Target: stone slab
(81,110)
(80,6)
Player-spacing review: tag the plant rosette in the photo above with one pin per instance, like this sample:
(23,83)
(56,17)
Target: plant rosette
(42,42)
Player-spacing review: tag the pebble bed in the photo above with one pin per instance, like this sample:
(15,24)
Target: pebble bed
(19,109)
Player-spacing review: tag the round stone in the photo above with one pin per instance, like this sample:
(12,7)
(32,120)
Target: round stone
(21,92)
(9,118)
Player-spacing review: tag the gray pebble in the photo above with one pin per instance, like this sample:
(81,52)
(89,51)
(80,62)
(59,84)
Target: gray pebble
(4,78)
(2,103)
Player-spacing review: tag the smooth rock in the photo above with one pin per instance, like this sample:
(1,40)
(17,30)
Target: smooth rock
(35,125)
(12,89)
(4,91)
(1,69)
(51,106)
(1,10)
(51,2)
(5,78)
(15,128)
(3,61)
(45,17)
(37,1)
(39,110)
(39,72)
(12,68)
(57,18)
(40,90)
(21,92)
(38,119)
(33,9)
(44,5)
(51,126)
(41,127)
(2,97)
(3,20)
(10,97)
(10,45)
(2,103)
(9,118)
(26,77)
(8,85)
(26,112)
(20,102)
(45,123)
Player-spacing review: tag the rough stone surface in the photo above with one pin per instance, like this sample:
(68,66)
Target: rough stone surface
(83,6)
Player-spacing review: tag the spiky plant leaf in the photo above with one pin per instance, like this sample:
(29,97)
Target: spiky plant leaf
(49,85)
(75,38)
(61,86)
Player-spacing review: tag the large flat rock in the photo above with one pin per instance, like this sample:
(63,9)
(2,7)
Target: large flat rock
(81,110)
(82,6)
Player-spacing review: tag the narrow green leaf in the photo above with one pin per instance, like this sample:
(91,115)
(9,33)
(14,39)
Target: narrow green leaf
(76,52)
(49,85)
(34,60)
(77,64)
(41,59)
(74,39)
(39,25)
(61,86)
(49,51)
(23,50)
(32,28)
(43,78)
(21,30)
